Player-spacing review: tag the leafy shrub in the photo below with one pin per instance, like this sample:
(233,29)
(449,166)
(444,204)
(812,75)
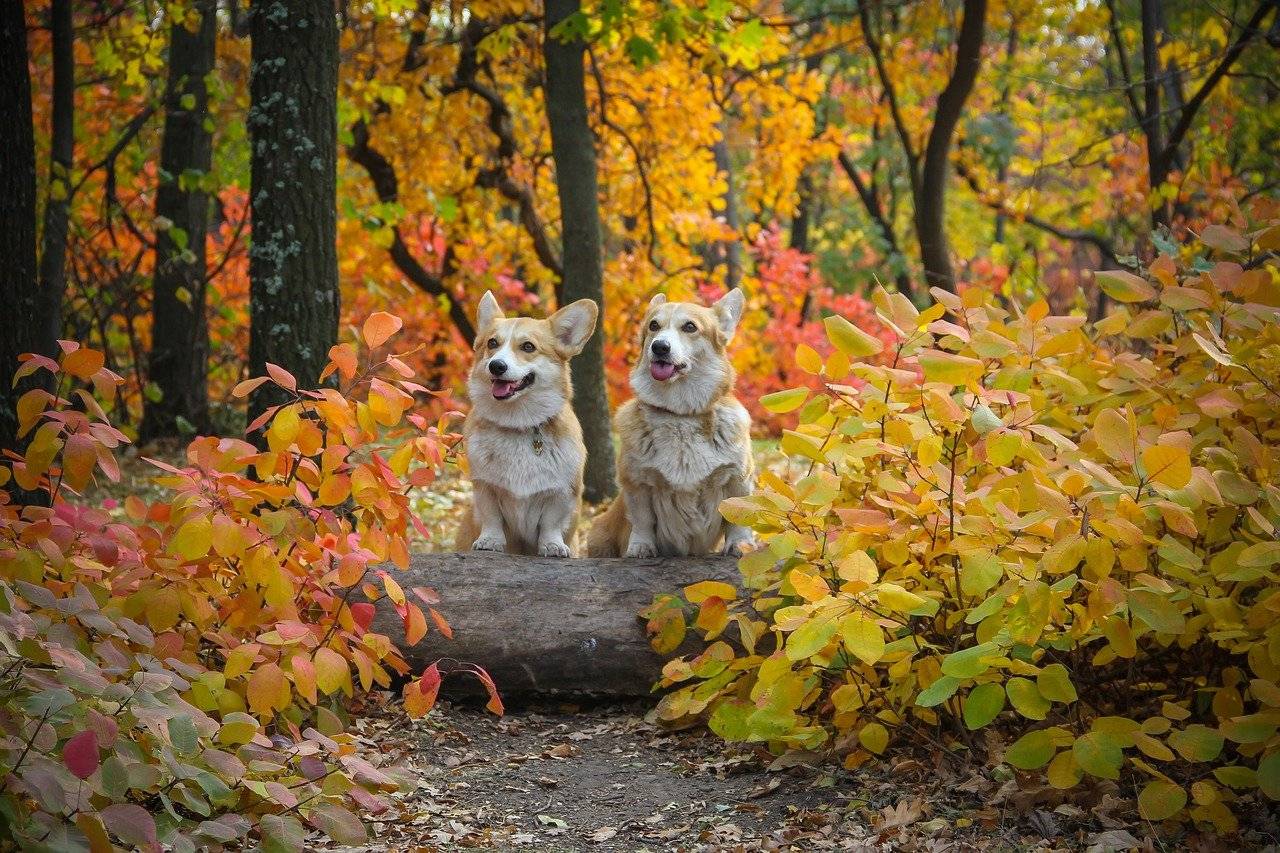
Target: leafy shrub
(1061,538)
(175,676)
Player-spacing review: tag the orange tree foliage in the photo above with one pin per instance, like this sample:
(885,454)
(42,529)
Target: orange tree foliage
(175,677)
(1067,535)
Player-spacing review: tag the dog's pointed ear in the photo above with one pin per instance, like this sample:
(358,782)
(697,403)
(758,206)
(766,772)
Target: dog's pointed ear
(574,324)
(488,310)
(658,299)
(728,310)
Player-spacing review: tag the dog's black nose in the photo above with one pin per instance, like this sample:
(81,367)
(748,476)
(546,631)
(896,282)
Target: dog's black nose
(497,367)
(660,348)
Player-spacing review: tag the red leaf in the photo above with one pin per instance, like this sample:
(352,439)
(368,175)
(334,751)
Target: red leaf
(80,754)
(362,612)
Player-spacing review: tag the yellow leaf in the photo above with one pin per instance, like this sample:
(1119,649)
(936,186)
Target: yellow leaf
(699,592)
(1124,286)
(862,637)
(1167,465)
(780,402)
(874,737)
(858,566)
(949,368)
(808,360)
(193,539)
(332,671)
(849,339)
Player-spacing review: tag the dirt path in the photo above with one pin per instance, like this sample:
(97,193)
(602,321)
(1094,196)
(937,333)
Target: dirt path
(606,780)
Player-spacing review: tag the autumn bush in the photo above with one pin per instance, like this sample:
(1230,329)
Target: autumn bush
(1023,535)
(174,676)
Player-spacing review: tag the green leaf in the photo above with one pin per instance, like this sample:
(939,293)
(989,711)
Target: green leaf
(810,638)
(1269,776)
(968,663)
(182,733)
(1161,799)
(1031,751)
(1197,743)
(1099,754)
(1124,286)
(938,692)
(1026,699)
(1054,684)
(983,704)
(979,572)
(281,834)
(729,719)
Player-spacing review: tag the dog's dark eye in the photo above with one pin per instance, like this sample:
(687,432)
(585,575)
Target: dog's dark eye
(493,343)
(528,346)
(653,325)
(689,327)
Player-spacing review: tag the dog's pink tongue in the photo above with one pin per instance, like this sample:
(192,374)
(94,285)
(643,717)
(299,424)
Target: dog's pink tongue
(503,388)
(661,370)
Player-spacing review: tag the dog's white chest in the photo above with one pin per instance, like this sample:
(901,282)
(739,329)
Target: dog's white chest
(523,462)
(683,454)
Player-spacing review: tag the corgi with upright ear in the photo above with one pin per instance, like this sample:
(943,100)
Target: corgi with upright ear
(524,444)
(685,439)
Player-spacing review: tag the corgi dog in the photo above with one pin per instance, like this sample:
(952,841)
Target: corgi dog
(524,444)
(685,439)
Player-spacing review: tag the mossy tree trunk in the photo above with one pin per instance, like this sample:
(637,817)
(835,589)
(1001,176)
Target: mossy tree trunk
(293,264)
(178,363)
(573,149)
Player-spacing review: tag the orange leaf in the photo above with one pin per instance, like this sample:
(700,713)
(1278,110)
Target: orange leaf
(83,363)
(343,357)
(415,624)
(247,387)
(304,677)
(441,625)
(268,690)
(282,377)
(379,327)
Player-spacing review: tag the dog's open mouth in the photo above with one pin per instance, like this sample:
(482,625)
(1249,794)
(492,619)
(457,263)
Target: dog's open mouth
(505,389)
(663,370)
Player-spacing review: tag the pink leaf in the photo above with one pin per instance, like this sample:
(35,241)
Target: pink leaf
(132,825)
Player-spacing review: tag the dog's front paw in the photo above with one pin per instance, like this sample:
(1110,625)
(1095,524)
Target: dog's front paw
(553,549)
(735,548)
(490,543)
(641,549)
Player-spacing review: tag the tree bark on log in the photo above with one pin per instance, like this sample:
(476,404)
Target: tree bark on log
(546,626)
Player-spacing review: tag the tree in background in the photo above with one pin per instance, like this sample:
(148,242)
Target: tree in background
(20,330)
(53,242)
(573,147)
(178,361)
(293,263)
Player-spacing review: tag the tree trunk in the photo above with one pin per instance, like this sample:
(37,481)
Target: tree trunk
(729,251)
(1152,127)
(930,205)
(53,250)
(573,149)
(179,356)
(20,328)
(293,264)
(541,625)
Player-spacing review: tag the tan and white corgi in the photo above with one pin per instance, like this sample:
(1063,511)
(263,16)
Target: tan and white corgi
(524,444)
(685,439)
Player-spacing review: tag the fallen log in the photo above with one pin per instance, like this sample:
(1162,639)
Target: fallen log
(546,626)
